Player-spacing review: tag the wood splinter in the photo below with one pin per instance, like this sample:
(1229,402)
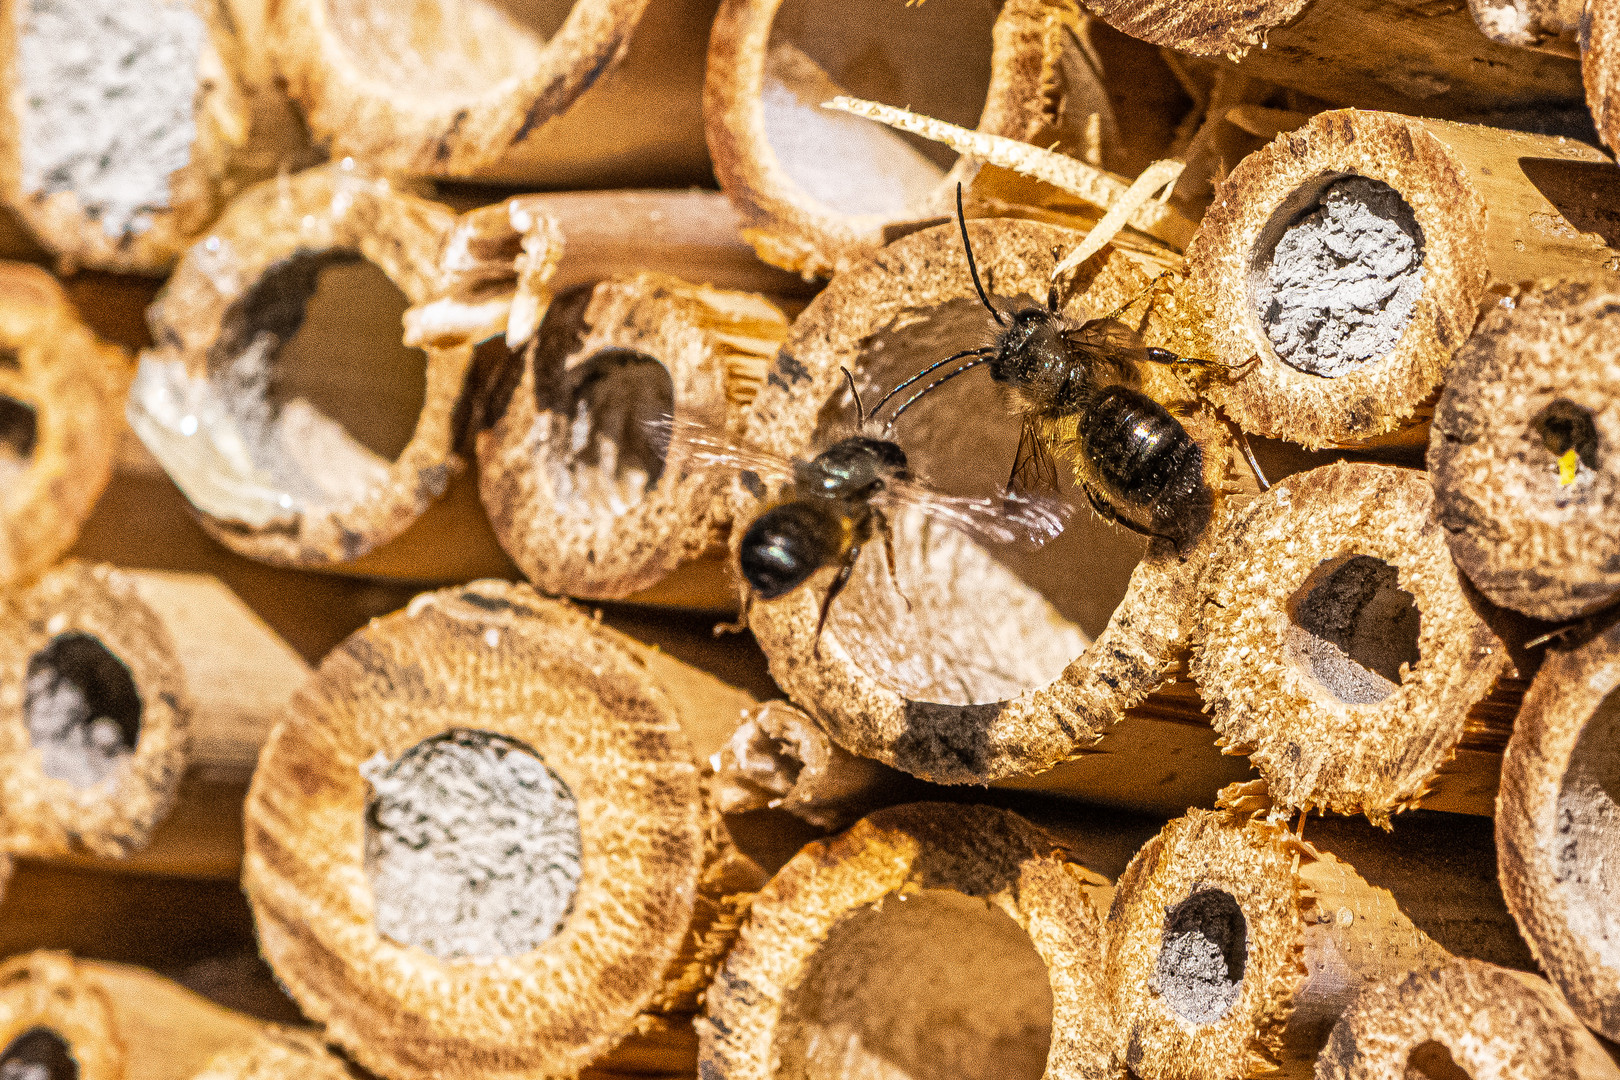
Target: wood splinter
(1327,358)
(1464,1019)
(1558,826)
(480,841)
(1234,945)
(1525,451)
(1340,650)
(929,940)
(223,398)
(61,390)
(132,708)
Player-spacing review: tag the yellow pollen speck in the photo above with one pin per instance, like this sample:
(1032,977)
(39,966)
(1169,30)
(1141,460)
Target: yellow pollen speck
(1566,468)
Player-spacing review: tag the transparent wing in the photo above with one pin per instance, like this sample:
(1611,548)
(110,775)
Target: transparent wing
(698,446)
(1108,334)
(1014,517)
(1034,472)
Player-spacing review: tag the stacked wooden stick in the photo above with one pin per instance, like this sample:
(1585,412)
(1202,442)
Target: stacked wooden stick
(348,345)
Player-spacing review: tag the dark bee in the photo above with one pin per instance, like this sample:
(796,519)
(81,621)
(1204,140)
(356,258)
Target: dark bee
(1078,389)
(834,504)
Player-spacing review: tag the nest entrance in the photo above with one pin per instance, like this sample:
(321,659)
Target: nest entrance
(930,985)
(1588,860)
(1352,627)
(311,370)
(883,52)
(981,623)
(472,846)
(431,48)
(1336,274)
(109,119)
(1431,1060)
(19,434)
(82,709)
(1564,426)
(1202,959)
(38,1054)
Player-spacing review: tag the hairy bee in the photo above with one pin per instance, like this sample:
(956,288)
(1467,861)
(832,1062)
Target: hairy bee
(1078,388)
(834,504)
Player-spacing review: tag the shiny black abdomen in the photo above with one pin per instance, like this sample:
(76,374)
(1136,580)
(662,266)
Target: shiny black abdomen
(1142,462)
(788,543)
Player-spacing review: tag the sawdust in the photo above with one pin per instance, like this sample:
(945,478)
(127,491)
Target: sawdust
(1201,962)
(82,710)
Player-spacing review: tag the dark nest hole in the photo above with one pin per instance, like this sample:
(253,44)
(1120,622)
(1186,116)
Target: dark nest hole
(82,709)
(1201,960)
(1352,627)
(19,433)
(930,985)
(1564,426)
(1431,1060)
(38,1054)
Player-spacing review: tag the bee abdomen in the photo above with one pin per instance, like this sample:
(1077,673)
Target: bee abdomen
(788,543)
(1145,464)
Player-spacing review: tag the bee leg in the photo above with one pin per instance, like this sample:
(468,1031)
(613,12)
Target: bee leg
(833,590)
(887,533)
(1108,514)
(742,616)
(1127,305)
(1248,455)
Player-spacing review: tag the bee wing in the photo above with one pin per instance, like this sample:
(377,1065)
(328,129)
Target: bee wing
(1009,518)
(704,447)
(1107,334)
(1034,472)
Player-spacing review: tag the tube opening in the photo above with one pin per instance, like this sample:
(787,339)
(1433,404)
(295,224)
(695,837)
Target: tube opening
(111,118)
(1336,274)
(38,1054)
(82,709)
(931,985)
(472,846)
(1432,1061)
(612,452)
(10,359)
(19,434)
(1354,629)
(1568,434)
(898,55)
(1588,848)
(445,48)
(1204,952)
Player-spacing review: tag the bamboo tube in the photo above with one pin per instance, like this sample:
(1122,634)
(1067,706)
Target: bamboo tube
(1555,826)
(278,1053)
(476,711)
(1426,60)
(549,94)
(996,664)
(1234,945)
(573,481)
(779,758)
(1342,265)
(928,940)
(817,190)
(1463,1019)
(126,695)
(77,1018)
(1340,650)
(60,388)
(133,125)
(1527,488)
(221,400)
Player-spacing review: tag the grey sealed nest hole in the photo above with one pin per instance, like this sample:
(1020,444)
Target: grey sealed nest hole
(1205,947)
(82,709)
(38,1054)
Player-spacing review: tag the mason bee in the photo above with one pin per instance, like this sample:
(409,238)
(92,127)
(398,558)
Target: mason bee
(834,504)
(1078,389)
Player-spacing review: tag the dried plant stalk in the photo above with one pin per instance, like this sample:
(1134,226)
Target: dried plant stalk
(1429,61)
(570,469)
(647,893)
(979,672)
(60,390)
(1464,1018)
(1340,650)
(122,165)
(1356,355)
(1526,493)
(929,936)
(271,475)
(122,692)
(109,1020)
(278,1053)
(1555,826)
(1234,946)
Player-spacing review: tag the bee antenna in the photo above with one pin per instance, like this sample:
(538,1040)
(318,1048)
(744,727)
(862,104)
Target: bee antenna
(860,413)
(973,267)
(984,351)
(941,381)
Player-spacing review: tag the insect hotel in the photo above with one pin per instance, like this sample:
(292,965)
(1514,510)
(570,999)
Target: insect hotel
(791,540)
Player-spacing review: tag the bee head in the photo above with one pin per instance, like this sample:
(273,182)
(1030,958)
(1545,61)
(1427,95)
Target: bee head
(788,543)
(1030,332)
